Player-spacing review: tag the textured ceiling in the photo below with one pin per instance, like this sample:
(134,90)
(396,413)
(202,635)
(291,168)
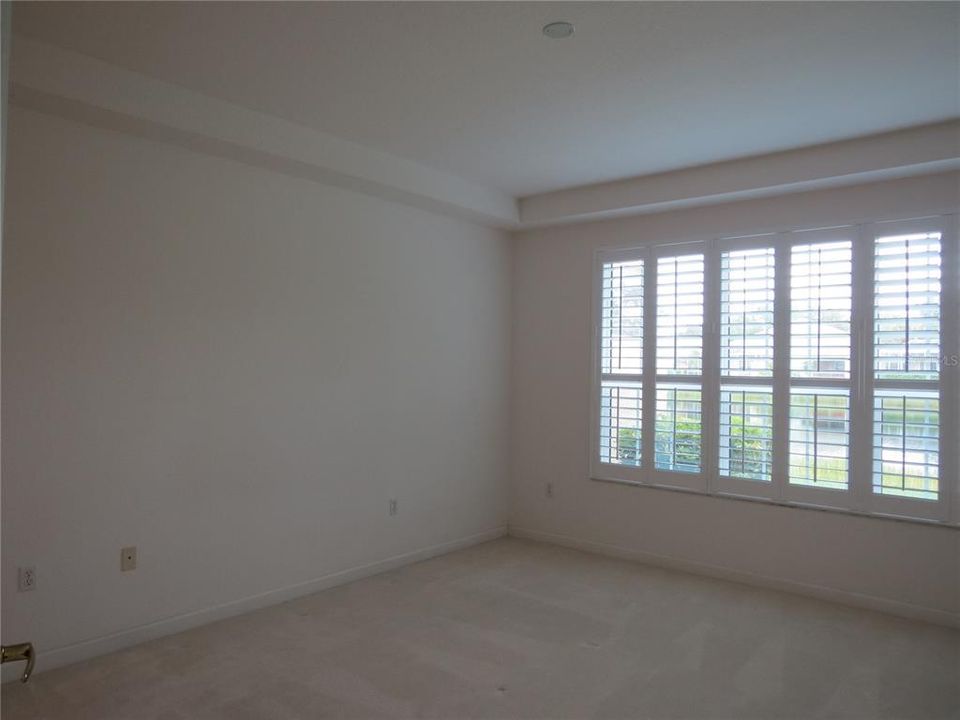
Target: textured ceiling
(475,89)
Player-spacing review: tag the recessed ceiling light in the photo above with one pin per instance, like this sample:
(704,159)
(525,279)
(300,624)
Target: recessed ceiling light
(558,30)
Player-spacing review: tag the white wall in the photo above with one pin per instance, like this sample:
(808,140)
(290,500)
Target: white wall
(233,370)
(899,566)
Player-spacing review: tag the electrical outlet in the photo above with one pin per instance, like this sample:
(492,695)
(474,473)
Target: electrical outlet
(128,558)
(548,490)
(393,506)
(26,578)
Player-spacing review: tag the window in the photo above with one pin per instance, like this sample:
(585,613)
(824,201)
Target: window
(746,312)
(819,438)
(747,285)
(678,428)
(820,310)
(906,365)
(821,313)
(906,444)
(680,315)
(622,349)
(746,432)
(621,405)
(679,350)
(621,355)
(802,367)
(906,314)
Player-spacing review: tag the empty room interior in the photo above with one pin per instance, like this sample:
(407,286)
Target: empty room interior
(469,360)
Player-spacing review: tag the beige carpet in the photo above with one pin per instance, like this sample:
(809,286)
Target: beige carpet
(515,629)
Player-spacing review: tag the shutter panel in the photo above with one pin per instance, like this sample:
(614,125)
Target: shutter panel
(906,319)
(621,353)
(680,315)
(746,313)
(820,310)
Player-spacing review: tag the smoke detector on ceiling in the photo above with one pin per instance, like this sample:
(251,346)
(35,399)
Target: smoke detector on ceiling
(558,30)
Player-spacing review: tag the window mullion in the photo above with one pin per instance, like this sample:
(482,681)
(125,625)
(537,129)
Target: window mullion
(781,366)
(861,369)
(710,374)
(950,370)
(621,377)
(649,399)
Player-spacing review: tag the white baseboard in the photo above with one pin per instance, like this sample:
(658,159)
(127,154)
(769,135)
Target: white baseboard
(47,659)
(842,597)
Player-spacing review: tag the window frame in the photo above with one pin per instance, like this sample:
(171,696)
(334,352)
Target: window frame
(947,497)
(859,497)
(673,478)
(726,485)
(805,494)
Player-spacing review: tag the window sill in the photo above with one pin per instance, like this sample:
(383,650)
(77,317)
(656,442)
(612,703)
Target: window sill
(779,503)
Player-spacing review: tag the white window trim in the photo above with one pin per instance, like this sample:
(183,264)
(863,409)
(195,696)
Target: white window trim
(721,484)
(821,497)
(859,498)
(687,480)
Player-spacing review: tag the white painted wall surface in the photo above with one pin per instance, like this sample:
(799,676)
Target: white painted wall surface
(234,370)
(889,564)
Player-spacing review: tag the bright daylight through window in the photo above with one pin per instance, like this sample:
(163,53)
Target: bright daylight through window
(805,367)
